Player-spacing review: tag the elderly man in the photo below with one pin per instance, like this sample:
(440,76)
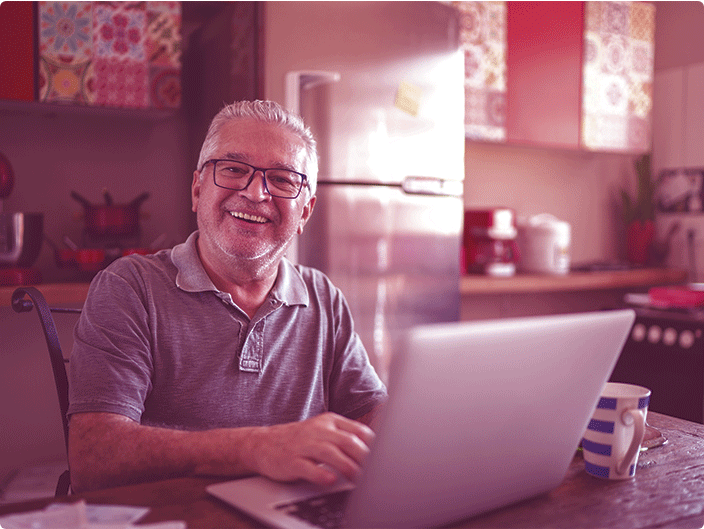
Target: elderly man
(219,356)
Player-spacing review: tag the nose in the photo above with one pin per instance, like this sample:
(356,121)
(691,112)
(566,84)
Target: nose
(256,189)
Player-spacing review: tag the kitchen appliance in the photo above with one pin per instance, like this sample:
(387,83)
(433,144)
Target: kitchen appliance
(490,242)
(544,243)
(20,236)
(665,352)
(382,89)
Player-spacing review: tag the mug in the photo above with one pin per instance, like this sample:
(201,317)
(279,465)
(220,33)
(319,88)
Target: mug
(611,443)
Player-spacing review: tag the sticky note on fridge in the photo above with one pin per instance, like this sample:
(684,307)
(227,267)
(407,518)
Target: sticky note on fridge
(408,98)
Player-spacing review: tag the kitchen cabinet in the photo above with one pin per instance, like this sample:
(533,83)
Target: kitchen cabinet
(123,55)
(574,75)
(543,72)
(678,128)
(17,64)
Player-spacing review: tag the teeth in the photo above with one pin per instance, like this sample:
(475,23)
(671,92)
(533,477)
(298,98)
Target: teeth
(247,216)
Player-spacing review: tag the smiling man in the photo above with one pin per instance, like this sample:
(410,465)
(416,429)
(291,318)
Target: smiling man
(220,356)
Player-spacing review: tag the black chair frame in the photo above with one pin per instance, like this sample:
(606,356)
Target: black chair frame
(58,362)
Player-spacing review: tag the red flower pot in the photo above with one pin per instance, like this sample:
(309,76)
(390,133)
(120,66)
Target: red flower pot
(639,238)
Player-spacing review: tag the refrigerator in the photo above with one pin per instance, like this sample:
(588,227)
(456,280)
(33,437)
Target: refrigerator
(381,85)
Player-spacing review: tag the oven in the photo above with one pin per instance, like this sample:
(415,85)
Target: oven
(665,352)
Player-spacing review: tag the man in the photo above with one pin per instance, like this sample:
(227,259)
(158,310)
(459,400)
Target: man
(219,356)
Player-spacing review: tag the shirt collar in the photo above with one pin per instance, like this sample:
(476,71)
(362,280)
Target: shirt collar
(289,288)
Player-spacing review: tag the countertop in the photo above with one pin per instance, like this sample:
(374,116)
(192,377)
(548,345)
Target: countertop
(55,293)
(71,293)
(574,281)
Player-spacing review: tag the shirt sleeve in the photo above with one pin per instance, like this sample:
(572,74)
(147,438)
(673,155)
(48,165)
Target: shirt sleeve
(110,366)
(356,388)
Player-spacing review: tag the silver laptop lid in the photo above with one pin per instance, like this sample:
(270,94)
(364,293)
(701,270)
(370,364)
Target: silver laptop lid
(483,414)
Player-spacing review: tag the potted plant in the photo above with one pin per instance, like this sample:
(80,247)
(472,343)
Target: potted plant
(639,213)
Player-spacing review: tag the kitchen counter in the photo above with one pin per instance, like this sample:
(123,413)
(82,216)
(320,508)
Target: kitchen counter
(70,293)
(572,282)
(55,293)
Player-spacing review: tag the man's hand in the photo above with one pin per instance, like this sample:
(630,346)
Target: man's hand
(313,450)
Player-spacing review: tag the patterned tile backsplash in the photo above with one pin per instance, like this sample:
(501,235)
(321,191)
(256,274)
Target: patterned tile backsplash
(483,35)
(617,78)
(112,54)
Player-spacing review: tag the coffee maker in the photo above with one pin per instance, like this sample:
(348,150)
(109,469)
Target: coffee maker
(490,242)
(21,237)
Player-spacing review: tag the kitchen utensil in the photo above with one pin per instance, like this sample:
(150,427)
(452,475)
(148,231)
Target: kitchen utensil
(111,219)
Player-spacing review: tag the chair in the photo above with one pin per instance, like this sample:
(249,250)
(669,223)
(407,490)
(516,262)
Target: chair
(58,362)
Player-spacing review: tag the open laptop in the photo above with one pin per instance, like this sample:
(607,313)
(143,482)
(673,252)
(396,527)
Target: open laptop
(480,415)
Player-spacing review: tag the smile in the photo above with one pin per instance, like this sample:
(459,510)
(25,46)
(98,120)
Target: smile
(248,217)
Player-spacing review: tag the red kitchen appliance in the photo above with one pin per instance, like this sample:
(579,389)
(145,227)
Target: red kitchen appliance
(20,237)
(490,242)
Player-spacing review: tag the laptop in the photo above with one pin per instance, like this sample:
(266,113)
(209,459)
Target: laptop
(480,415)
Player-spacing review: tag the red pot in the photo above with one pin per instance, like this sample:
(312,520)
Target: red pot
(112,219)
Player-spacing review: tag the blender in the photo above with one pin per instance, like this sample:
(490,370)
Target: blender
(20,237)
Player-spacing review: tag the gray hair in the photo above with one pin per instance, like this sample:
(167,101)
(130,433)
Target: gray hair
(267,112)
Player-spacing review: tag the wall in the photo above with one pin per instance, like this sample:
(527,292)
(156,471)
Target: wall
(679,33)
(578,187)
(54,154)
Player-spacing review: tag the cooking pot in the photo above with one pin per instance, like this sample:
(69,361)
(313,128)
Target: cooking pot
(109,218)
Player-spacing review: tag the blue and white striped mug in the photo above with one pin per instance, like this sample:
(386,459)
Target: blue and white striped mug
(611,443)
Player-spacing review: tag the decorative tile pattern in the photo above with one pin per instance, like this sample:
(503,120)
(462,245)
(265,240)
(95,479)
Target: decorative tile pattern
(115,54)
(483,37)
(617,78)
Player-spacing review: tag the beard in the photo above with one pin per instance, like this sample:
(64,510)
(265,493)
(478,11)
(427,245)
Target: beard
(236,248)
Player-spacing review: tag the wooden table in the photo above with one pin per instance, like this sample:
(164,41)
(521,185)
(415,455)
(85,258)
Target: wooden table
(667,491)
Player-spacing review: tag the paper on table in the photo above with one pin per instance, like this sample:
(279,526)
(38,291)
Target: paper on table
(79,515)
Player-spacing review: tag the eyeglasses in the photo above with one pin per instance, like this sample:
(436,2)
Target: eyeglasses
(282,183)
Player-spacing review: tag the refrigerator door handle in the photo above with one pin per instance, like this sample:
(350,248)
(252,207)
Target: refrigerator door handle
(295,80)
(411,185)
(429,185)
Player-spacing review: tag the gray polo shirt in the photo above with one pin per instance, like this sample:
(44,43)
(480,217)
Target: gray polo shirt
(158,343)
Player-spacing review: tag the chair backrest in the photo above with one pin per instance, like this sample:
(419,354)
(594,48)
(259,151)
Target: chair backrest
(58,362)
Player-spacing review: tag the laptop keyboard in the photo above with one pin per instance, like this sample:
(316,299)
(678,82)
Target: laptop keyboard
(321,511)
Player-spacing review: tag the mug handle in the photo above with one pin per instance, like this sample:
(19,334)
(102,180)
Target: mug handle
(628,417)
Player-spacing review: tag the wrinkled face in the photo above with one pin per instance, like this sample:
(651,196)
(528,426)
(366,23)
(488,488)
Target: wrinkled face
(249,224)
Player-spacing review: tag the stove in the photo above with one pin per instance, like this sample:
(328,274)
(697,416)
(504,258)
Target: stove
(665,352)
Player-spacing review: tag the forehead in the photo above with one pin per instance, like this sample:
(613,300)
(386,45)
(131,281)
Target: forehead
(257,142)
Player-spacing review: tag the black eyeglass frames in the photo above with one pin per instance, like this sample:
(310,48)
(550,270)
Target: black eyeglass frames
(235,175)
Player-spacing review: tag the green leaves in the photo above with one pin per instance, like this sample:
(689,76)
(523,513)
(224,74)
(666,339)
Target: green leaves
(643,207)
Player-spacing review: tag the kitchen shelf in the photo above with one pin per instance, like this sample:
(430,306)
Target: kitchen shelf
(52,110)
(55,293)
(575,281)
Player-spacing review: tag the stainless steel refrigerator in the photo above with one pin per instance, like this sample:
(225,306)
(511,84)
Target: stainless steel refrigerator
(381,85)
